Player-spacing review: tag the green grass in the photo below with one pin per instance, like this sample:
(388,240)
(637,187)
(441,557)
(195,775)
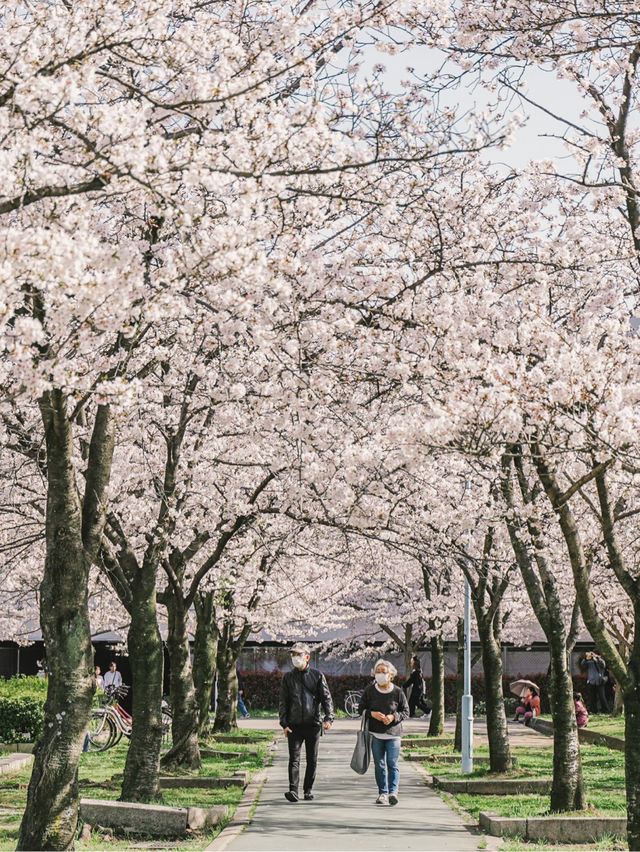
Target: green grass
(516,844)
(100,777)
(605,724)
(603,775)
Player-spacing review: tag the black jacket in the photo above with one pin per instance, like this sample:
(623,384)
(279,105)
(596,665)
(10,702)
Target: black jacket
(416,681)
(392,702)
(302,693)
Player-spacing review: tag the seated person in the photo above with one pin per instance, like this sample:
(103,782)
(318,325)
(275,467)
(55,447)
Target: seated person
(582,716)
(529,708)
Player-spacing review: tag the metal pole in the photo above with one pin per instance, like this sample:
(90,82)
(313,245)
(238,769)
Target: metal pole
(467,698)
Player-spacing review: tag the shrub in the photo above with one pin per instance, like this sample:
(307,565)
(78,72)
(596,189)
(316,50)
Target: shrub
(263,688)
(22,709)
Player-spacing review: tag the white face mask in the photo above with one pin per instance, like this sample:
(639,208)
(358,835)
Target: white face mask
(382,678)
(299,661)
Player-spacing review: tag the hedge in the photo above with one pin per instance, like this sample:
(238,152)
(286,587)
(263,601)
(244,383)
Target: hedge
(22,709)
(263,688)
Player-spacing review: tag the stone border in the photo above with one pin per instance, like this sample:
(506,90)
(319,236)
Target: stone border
(241,739)
(21,748)
(420,742)
(226,755)
(14,762)
(493,786)
(554,829)
(544,726)
(159,820)
(170,782)
(241,818)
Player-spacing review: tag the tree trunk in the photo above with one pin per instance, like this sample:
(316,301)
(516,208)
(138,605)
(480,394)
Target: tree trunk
(567,791)
(205,649)
(457,743)
(184,752)
(436,725)
(141,773)
(618,699)
(51,815)
(499,750)
(632,750)
(227,703)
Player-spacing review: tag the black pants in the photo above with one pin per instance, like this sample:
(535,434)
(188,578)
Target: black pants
(417,701)
(310,736)
(597,697)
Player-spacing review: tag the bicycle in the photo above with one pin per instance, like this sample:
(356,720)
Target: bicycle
(109,722)
(352,702)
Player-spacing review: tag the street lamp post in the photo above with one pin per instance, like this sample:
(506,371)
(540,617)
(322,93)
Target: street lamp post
(467,698)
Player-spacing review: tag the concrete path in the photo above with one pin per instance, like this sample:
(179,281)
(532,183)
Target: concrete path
(344,816)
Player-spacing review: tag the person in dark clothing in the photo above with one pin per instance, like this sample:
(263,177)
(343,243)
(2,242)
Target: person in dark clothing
(241,706)
(386,707)
(596,680)
(303,693)
(414,688)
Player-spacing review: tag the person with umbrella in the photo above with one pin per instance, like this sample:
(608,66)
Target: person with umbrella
(527,691)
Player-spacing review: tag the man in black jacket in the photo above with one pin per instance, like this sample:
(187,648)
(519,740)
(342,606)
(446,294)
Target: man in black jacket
(302,693)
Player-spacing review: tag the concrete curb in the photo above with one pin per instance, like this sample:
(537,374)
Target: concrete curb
(421,742)
(493,786)
(22,748)
(544,726)
(149,819)
(226,755)
(14,762)
(241,817)
(554,829)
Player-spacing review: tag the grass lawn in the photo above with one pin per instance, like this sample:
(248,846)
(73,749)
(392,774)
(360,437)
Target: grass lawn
(101,777)
(603,775)
(612,725)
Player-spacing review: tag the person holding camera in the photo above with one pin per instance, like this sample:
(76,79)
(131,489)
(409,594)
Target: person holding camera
(596,681)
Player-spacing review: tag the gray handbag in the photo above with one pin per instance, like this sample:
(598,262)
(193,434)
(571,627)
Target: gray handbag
(362,752)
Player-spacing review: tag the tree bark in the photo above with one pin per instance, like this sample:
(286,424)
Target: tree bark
(72,527)
(142,769)
(436,724)
(184,752)
(227,704)
(632,746)
(567,790)
(498,735)
(205,649)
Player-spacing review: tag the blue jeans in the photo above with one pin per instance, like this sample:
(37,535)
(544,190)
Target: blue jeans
(241,706)
(385,755)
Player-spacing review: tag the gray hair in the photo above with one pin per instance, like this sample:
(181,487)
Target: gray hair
(393,671)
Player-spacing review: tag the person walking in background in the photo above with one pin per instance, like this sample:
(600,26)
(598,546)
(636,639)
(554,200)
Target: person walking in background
(596,680)
(582,716)
(303,694)
(414,688)
(112,677)
(99,678)
(386,708)
(241,707)
(529,708)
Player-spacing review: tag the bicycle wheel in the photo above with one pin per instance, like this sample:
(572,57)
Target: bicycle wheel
(102,731)
(351,704)
(166,726)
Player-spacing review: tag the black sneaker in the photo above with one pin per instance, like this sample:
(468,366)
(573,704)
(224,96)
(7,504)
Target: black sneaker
(308,797)
(291,796)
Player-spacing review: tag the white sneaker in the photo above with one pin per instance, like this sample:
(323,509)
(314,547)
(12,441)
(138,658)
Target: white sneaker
(382,799)
(393,798)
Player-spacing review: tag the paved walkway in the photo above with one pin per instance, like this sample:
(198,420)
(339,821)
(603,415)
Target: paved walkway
(344,816)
